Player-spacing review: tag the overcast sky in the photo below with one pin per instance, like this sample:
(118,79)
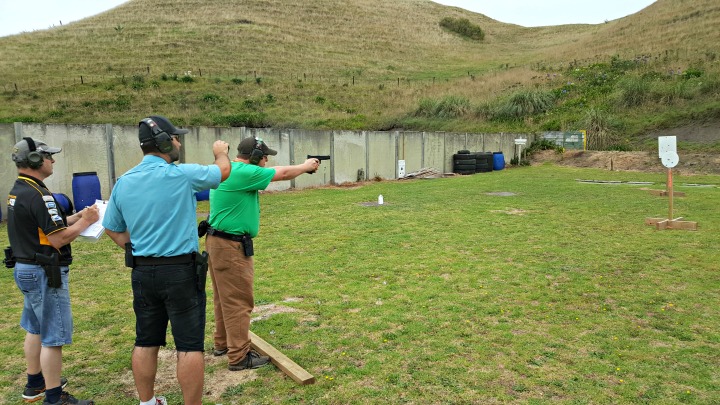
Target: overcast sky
(18,16)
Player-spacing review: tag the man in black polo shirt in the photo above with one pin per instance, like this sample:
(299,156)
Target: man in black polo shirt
(40,234)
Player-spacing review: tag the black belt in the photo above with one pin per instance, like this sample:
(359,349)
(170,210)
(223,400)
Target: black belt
(225,235)
(162,260)
(33,261)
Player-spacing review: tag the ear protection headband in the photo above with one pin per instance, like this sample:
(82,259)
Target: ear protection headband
(257,152)
(162,139)
(35,159)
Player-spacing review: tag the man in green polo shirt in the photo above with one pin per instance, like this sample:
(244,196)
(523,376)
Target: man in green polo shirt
(234,221)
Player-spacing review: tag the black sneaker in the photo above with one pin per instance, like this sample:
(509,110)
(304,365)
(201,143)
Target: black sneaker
(251,360)
(32,394)
(220,352)
(66,398)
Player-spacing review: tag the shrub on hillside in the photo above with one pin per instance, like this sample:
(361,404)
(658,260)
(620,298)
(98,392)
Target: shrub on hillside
(463,27)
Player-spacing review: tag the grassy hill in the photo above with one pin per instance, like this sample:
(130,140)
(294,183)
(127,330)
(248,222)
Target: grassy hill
(366,64)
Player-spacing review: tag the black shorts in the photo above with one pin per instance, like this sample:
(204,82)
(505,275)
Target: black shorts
(168,293)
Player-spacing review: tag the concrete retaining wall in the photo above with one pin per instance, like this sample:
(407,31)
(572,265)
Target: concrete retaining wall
(111,150)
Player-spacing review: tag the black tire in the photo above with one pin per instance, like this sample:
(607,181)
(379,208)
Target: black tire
(464,167)
(463,152)
(464,161)
(460,156)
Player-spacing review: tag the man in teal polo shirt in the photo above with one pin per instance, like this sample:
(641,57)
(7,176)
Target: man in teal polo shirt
(152,209)
(234,221)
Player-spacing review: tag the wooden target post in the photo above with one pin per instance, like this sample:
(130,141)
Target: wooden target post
(670,159)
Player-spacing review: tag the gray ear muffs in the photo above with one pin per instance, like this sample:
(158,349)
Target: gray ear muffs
(34,158)
(257,152)
(162,140)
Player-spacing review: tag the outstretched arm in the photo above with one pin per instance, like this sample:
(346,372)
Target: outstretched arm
(290,172)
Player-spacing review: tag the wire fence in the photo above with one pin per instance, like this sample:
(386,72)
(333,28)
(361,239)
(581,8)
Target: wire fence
(191,74)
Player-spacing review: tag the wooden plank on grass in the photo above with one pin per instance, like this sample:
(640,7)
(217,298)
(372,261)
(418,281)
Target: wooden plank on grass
(653,221)
(685,225)
(284,363)
(665,193)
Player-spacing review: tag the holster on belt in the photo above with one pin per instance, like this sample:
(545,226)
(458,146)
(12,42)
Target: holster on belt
(51,265)
(201,268)
(129,258)
(244,239)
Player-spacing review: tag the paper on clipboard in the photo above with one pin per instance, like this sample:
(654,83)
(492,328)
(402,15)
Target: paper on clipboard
(96,230)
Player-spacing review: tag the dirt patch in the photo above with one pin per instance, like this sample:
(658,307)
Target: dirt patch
(217,377)
(690,163)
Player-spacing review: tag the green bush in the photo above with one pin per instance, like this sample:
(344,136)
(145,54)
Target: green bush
(212,98)
(463,27)
(692,73)
(541,144)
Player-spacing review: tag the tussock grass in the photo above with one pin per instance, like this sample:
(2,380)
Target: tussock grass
(452,292)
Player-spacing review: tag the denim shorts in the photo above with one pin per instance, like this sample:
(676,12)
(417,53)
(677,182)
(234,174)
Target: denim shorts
(168,293)
(46,311)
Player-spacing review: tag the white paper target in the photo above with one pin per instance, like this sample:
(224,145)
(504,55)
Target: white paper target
(667,144)
(669,159)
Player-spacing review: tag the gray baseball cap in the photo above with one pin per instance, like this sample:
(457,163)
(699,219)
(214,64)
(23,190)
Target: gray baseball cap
(24,147)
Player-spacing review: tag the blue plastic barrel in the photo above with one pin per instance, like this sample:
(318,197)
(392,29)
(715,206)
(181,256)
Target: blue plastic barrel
(498,161)
(64,202)
(86,189)
(202,195)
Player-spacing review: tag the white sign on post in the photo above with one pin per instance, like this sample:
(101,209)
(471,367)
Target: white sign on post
(401,169)
(667,149)
(520,141)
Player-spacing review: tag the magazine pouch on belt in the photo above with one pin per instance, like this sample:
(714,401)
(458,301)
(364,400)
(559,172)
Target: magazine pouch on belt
(51,265)
(9,259)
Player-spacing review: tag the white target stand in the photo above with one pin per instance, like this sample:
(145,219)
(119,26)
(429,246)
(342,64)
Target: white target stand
(669,158)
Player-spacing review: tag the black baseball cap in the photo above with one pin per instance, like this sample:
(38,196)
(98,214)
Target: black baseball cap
(146,133)
(247,145)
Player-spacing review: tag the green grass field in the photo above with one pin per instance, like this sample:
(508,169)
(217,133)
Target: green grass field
(517,286)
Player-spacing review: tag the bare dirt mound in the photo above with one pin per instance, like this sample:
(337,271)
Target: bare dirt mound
(690,163)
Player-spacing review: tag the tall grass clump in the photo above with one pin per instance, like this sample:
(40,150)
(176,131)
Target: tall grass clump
(448,107)
(524,103)
(463,27)
(634,91)
(600,130)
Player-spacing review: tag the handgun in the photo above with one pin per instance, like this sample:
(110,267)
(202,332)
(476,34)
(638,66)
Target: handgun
(320,158)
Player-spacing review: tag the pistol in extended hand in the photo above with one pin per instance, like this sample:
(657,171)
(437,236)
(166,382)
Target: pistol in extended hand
(320,158)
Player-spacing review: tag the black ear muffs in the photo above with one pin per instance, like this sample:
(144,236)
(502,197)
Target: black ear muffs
(162,140)
(35,159)
(257,153)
